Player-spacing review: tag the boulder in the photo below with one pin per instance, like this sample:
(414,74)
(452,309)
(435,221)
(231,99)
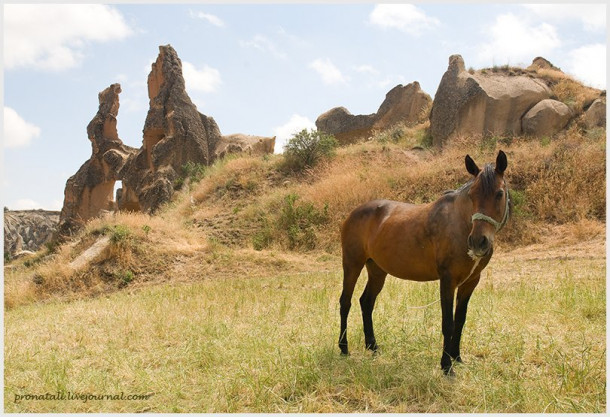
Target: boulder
(238,143)
(595,115)
(402,104)
(91,189)
(481,104)
(546,118)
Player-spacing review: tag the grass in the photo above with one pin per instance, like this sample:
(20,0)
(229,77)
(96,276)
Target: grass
(534,341)
(227,299)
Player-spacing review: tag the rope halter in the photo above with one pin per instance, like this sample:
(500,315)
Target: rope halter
(496,224)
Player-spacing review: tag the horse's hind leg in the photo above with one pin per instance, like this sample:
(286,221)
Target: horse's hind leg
(351,272)
(367,301)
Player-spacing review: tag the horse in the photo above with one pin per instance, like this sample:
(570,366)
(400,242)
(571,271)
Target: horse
(450,240)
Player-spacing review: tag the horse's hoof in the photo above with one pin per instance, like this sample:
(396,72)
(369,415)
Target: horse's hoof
(449,372)
(459,360)
(372,346)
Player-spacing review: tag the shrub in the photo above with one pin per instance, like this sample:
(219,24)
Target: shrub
(299,221)
(192,171)
(306,148)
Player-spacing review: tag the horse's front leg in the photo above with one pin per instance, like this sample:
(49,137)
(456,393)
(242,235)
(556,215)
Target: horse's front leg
(463,296)
(447,294)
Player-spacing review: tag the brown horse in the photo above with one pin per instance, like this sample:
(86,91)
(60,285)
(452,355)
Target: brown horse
(450,240)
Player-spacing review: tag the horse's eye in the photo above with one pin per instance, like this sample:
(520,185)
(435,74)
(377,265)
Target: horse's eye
(499,194)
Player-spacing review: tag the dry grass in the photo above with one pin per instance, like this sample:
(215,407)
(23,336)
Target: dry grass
(568,90)
(216,314)
(244,203)
(534,342)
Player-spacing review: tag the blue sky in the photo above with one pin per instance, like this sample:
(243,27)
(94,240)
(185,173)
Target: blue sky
(263,69)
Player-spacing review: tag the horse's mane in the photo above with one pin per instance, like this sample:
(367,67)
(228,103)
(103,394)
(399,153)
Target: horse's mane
(488,182)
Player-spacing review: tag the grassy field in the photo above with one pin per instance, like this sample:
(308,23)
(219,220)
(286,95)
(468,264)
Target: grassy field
(534,341)
(226,300)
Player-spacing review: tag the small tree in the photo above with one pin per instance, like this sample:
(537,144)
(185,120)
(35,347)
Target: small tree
(306,148)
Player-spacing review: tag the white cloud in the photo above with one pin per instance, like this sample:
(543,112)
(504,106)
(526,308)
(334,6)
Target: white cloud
(287,130)
(205,79)
(404,17)
(210,18)
(53,36)
(592,16)
(588,64)
(328,71)
(25,204)
(366,69)
(262,43)
(516,41)
(17,132)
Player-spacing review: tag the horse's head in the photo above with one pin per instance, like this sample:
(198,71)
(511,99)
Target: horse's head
(490,201)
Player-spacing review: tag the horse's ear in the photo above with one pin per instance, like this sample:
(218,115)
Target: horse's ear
(471,166)
(501,163)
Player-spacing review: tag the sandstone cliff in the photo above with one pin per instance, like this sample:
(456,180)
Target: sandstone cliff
(27,230)
(240,143)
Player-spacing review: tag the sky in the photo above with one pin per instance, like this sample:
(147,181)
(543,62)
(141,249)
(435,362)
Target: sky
(260,69)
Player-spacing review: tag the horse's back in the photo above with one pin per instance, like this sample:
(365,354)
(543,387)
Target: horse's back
(365,221)
(385,231)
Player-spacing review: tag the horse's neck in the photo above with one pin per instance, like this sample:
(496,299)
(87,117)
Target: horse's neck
(461,210)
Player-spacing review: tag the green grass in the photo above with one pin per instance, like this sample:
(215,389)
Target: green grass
(534,341)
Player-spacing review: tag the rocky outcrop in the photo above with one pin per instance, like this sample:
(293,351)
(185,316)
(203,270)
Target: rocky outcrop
(542,63)
(90,191)
(546,118)
(175,133)
(402,104)
(344,126)
(240,143)
(27,230)
(481,103)
(595,115)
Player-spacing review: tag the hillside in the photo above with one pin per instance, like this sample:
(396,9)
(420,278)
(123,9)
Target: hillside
(227,299)
(245,216)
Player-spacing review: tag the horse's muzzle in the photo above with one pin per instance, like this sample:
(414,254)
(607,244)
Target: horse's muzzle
(479,247)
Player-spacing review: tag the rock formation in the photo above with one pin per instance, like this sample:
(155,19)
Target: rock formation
(174,133)
(27,230)
(344,126)
(240,143)
(542,63)
(546,118)
(481,104)
(90,191)
(403,104)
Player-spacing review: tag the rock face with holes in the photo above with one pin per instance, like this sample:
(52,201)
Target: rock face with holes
(175,133)
(240,143)
(546,118)
(402,104)
(91,189)
(481,103)
(27,230)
